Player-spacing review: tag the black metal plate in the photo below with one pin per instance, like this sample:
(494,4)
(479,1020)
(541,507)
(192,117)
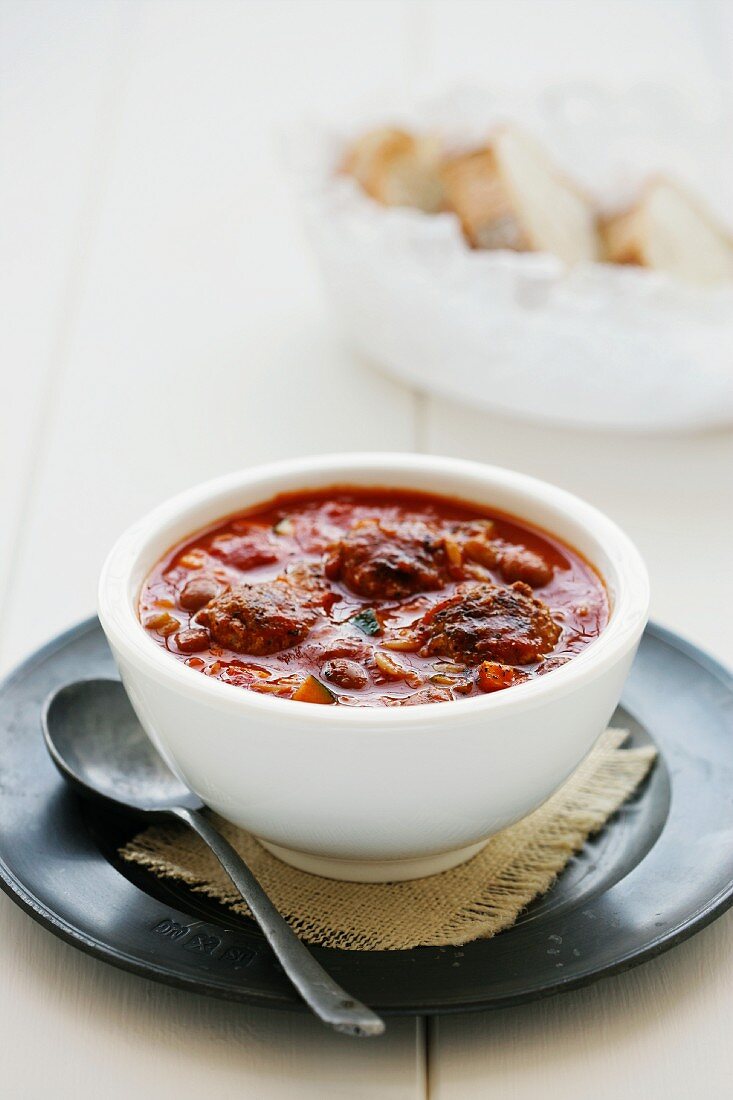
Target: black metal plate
(659,871)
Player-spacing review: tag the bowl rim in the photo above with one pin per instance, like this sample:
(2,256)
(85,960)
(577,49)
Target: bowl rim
(118,616)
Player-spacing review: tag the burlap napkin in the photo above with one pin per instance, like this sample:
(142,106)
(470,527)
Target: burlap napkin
(476,900)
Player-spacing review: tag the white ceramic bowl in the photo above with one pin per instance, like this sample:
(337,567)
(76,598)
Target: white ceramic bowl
(374,793)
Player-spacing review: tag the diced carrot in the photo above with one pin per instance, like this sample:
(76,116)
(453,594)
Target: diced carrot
(493,676)
(162,622)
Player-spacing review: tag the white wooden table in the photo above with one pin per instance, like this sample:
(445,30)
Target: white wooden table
(149,248)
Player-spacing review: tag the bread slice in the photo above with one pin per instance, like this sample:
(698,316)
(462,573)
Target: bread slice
(398,169)
(510,195)
(668,231)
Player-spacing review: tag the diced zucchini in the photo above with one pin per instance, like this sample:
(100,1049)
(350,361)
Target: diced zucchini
(313,691)
(367,621)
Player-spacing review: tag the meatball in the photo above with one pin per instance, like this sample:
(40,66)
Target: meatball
(487,622)
(261,618)
(256,547)
(514,562)
(476,543)
(517,563)
(385,561)
(307,577)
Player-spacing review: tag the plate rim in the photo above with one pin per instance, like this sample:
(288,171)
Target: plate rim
(206,985)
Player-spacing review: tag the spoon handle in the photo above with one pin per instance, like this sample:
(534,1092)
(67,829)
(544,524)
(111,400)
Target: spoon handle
(320,992)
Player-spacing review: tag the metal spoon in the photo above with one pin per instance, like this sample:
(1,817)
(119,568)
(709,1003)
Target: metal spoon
(98,745)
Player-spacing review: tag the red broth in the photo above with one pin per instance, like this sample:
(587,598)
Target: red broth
(408,598)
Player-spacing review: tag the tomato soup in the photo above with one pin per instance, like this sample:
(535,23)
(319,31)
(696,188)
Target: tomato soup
(357,597)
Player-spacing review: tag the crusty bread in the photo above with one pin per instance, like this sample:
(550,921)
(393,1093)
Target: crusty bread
(397,169)
(666,230)
(510,195)
(475,191)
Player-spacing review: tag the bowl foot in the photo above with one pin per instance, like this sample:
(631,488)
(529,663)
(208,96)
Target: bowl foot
(373,870)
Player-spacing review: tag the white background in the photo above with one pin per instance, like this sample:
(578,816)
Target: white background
(164,323)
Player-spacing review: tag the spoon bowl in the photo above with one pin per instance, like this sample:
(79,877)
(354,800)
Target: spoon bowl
(97,743)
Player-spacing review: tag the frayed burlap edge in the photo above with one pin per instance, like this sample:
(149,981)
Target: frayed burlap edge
(473,901)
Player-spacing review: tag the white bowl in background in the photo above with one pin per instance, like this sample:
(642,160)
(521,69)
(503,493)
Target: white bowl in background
(375,793)
(596,345)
